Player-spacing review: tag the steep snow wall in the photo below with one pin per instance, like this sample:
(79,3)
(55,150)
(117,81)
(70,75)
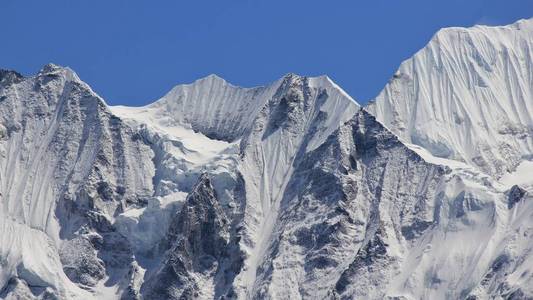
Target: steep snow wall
(66,161)
(466,96)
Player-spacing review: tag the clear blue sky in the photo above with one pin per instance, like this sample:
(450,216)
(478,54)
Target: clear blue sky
(133,52)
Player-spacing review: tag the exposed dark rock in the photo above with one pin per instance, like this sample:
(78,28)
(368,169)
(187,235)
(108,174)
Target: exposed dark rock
(374,250)
(8,77)
(415,229)
(198,238)
(514,195)
(80,261)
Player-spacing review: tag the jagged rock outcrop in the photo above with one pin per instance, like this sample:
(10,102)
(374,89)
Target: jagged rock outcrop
(335,201)
(198,239)
(515,194)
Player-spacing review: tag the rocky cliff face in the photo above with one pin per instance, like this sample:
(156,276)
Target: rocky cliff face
(342,197)
(198,247)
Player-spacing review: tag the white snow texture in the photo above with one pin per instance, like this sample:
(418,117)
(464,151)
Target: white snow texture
(286,191)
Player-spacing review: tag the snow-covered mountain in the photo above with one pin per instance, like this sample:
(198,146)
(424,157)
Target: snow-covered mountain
(286,191)
(276,125)
(68,167)
(467,96)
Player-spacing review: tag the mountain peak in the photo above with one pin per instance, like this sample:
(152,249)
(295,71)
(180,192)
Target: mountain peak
(291,76)
(523,23)
(495,32)
(10,76)
(51,69)
(466,96)
(212,77)
(319,82)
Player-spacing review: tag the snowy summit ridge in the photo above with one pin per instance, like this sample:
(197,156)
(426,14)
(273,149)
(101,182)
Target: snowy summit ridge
(466,96)
(285,191)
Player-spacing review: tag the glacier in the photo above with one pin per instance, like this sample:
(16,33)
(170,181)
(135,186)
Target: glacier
(290,190)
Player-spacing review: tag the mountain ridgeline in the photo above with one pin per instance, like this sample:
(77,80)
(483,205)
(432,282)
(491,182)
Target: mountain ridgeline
(291,190)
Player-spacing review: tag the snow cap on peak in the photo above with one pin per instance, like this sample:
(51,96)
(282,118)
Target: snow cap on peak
(519,24)
(522,24)
(323,81)
(319,77)
(320,82)
(53,69)
(293,76)
(65,74)
(211,78)
(467,87)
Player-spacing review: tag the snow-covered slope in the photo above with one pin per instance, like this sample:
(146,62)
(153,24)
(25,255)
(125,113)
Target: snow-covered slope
(276,124)
(67,167)
(89,197)
(467,96)
(319,200)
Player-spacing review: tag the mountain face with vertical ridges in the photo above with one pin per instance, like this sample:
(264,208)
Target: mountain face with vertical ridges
(286,191)
(466,96)
(68,167)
